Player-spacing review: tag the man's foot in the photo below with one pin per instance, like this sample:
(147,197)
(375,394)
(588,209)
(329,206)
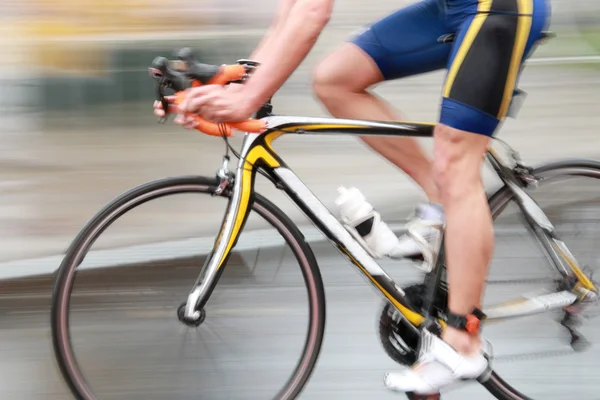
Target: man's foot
(426,216)
(438,367)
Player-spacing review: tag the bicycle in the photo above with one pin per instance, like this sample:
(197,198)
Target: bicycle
(406,310)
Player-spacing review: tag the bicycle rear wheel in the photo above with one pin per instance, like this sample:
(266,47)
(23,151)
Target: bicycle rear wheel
(533,355)
(238,292)
(533,358)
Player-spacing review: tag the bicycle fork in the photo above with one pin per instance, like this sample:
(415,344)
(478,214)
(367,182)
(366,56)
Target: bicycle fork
(233,222)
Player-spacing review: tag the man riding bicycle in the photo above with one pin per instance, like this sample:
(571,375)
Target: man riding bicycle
(493,38)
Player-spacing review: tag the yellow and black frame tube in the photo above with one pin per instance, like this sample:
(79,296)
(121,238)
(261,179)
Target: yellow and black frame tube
(253,155)
(257,152)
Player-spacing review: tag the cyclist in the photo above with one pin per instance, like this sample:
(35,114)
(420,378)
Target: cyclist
(493,38)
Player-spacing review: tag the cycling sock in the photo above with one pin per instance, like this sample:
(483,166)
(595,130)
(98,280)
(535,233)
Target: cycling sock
(432,212)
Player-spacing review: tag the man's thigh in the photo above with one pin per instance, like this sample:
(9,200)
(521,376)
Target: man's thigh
(486,60)
(405,42)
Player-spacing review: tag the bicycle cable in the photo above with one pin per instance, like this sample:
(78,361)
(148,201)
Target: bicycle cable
(229,147)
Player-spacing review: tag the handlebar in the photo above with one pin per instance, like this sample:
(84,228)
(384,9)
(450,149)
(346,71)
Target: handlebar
(184,73)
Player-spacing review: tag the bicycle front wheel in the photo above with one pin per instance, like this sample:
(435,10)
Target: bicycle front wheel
(259,306)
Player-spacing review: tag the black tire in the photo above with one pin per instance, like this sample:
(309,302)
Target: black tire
(160,188)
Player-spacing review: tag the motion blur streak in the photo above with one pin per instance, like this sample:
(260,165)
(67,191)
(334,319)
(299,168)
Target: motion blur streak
(76,130)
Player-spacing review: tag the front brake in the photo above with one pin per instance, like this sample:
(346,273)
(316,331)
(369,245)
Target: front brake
(225,177)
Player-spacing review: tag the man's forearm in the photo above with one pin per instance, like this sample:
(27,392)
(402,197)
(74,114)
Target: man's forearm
(283,12)
(286,47)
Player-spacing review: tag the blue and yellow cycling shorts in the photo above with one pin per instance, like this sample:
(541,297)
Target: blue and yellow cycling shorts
(493,39)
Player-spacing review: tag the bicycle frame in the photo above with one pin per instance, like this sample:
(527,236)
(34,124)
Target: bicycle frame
(257,152)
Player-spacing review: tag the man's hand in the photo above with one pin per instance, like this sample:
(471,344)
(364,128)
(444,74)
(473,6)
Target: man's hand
(158,108)
(218,104)
(195,96)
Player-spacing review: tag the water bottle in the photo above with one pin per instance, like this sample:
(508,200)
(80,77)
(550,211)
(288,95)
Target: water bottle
(364,223)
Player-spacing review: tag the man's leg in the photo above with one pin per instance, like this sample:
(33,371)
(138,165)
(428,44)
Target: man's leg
(341,82)
(469,237)
(402,44)
(479,86)
(458,156)
(494,55)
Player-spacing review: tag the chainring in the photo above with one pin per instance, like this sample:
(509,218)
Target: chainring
(398,338)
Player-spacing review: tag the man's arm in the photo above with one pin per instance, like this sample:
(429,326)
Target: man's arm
(281,15)
(292,35)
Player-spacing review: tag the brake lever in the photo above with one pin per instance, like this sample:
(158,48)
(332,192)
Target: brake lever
(165,104)
(157,74)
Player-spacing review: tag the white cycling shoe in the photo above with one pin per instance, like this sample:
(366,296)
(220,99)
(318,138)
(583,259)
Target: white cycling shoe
(422,226)
(439,366)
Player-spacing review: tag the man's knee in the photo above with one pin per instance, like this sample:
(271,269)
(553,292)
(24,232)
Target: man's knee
(324,80)
(458,156)
(330,81)
(347,70)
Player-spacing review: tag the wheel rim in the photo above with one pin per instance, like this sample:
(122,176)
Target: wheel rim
(505,364)
(61,317)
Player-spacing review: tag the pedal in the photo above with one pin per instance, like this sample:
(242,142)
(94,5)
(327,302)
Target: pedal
(577,341)
(575,314)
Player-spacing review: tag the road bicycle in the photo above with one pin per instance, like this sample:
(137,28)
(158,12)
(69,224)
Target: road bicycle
(406,310)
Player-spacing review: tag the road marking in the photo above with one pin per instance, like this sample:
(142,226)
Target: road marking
(564,60)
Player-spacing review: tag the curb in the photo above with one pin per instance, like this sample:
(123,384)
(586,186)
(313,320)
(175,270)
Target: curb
(151,252)
(173,250)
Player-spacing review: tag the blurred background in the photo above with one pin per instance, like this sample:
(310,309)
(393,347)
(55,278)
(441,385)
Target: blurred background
(77,123)
(76,130)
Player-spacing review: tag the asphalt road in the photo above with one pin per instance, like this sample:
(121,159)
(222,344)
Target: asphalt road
(131,346)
